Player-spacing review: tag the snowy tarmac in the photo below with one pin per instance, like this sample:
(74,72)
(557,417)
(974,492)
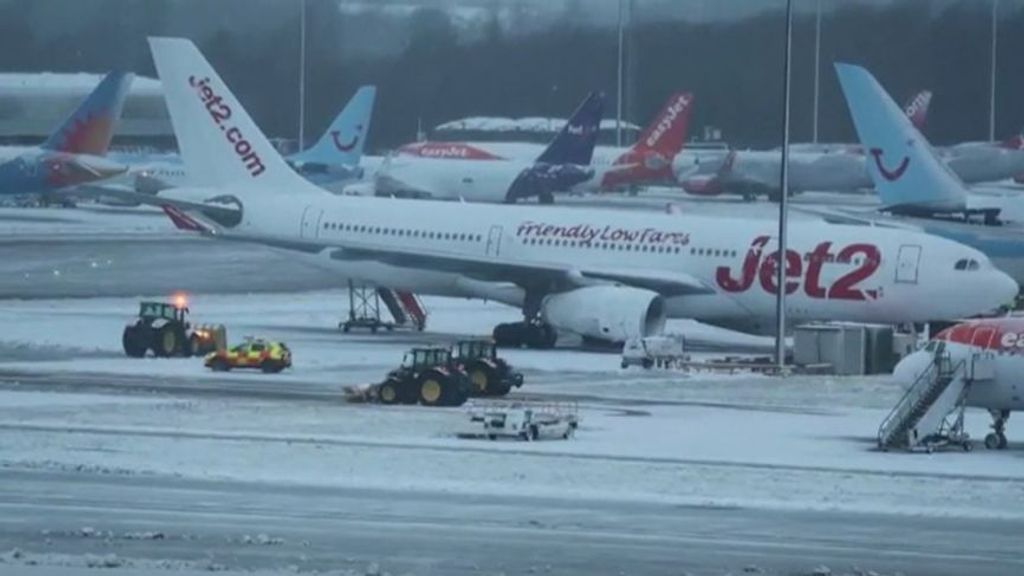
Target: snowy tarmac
(170,523)
(670,473)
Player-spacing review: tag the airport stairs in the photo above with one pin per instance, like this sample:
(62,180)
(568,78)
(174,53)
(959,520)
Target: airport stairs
(921,419)
(365,310)
(405,307)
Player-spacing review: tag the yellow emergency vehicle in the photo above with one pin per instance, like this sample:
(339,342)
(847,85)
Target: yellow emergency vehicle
(265,355)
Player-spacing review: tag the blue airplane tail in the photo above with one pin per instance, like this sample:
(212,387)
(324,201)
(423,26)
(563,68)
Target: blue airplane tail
(345,139)
(575,143)
(907,174)
(90,128)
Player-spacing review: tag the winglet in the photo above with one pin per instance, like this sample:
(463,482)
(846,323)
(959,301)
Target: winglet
(575,143)
(345,138)
(89,129)
(906,172)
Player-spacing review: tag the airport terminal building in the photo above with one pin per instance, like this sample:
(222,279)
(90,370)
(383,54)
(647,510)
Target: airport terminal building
(32,105)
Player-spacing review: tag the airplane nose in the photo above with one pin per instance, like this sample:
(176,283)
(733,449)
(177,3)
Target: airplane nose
(910,368)
(1006,288)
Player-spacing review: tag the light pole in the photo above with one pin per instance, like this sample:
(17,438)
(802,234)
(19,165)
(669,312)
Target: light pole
(621,65)
(781,261)
(992,76)
(302,75)
(817,68)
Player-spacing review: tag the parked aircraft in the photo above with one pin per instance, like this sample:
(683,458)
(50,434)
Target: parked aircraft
(74,153)
(910,177)
(648,161)
(562,166)
(979,363)
(597,273)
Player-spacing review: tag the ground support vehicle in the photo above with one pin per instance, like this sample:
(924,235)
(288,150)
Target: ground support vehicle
(489,374)
(266,355)
(529,421)
(164,329)
(427,376)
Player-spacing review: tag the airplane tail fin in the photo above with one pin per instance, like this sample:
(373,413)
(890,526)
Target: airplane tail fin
(218,140)
(575,143)
(91,126)
(906,172)
(344,140)
(667,132)
(917,109)
(1013,143)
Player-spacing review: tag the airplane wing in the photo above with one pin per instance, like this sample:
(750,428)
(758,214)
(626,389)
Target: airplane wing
(563,277)
(218,209)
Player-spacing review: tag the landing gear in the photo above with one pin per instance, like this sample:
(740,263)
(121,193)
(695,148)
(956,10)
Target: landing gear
(997,439)
(537,335)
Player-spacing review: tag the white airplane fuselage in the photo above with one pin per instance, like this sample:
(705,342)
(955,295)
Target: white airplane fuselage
(835,272)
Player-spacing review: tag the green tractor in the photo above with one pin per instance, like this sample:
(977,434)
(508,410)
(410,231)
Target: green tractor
(489,375)
(427,376)
(164,329)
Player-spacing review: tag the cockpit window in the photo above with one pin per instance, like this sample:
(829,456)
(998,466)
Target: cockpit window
(967,264)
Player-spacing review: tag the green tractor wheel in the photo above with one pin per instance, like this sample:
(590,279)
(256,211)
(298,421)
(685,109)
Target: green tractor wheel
(484,379)
(434,388)
(167,342)
(390,392)
(133,341)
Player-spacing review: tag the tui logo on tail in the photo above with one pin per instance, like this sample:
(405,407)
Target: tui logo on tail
(889,175)
(351,145)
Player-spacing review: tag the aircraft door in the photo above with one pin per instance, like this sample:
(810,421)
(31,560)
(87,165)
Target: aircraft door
(907,263)
(494,241)
(311,217)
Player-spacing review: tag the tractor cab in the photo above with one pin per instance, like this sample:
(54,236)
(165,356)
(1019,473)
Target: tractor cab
(466,350)
(163,310)
(419,359)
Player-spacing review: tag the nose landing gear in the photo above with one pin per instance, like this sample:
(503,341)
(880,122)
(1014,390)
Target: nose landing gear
(997,439)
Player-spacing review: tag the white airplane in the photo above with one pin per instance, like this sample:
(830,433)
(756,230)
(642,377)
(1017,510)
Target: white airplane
(999,341)
(648,161)
(562,166)
(596,273)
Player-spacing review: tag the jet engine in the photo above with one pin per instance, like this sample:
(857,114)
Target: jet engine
(609,313)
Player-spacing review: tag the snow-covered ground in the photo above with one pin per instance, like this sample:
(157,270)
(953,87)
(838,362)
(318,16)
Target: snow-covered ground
(684,438)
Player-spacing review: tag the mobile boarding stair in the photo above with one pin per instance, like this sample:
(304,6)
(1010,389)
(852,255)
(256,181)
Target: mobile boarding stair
(931,412)
(364,309)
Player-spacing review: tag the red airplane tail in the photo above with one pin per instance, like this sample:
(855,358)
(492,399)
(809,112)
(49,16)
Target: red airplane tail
(917,109)
(667,133)
(650,158)
(1013,143)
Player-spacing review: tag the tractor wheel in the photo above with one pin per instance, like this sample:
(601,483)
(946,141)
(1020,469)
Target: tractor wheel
(500,389)
(390,392)
(271,367)
(132,341)
(436,389)
(220,365)
(168,342)
(483,378)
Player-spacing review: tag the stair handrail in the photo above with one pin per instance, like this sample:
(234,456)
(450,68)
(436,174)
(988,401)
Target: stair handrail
(942,365)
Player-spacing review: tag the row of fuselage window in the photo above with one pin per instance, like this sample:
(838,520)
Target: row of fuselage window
(384,231)
(463,237)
